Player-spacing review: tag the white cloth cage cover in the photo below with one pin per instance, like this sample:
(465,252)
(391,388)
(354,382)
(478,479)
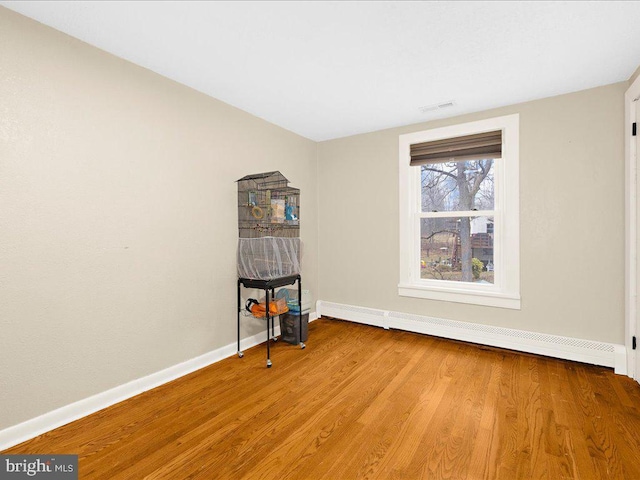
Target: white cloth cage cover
(267,258)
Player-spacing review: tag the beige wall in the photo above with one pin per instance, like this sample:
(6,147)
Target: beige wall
(118,218)
(635,75)
(571,219)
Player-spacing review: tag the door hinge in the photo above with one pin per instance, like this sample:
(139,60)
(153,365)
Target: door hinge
(633,343)
(633,129)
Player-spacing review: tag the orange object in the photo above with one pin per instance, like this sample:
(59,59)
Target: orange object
(259,310)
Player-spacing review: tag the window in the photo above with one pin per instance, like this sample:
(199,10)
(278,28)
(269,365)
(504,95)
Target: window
(459,213)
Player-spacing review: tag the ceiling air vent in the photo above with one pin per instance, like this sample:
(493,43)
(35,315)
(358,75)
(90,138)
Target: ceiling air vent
(437,106)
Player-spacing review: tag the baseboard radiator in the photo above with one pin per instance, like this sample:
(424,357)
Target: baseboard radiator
(586,351)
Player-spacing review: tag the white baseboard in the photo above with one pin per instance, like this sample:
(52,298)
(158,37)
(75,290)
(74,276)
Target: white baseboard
(567,348)
(37,426)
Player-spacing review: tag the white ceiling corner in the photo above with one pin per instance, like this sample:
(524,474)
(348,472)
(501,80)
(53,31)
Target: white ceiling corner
(331,69)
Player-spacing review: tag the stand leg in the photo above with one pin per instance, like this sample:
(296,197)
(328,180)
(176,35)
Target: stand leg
(240,354)
(302,345)
(273,321)
(268,337)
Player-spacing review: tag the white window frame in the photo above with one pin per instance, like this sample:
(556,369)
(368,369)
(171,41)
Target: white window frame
(505,291)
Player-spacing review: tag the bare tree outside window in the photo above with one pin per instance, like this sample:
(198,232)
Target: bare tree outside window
(457,246)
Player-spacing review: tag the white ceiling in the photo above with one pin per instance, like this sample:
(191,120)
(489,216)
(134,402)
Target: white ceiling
(331,69)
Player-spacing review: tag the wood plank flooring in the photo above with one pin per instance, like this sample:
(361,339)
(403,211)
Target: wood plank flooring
(362,402)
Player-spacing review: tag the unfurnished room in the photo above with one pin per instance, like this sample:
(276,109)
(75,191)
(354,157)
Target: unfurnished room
(319,240)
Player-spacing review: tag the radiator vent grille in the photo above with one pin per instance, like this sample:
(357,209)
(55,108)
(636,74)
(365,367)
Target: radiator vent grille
(384,318)
(350,308)
(507,332)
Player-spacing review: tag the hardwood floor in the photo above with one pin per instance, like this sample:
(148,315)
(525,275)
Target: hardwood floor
(362,402)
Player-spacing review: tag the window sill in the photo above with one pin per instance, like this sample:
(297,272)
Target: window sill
(460,295)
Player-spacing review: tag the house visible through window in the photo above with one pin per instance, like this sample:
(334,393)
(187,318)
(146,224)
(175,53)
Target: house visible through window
(459,213)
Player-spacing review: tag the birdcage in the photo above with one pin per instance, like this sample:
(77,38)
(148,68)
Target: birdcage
(268,206)
(268,227)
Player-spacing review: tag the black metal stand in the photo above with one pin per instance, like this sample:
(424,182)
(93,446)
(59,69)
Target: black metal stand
(267,285)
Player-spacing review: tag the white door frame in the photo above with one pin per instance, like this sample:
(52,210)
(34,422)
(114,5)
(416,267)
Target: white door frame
(631,225)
